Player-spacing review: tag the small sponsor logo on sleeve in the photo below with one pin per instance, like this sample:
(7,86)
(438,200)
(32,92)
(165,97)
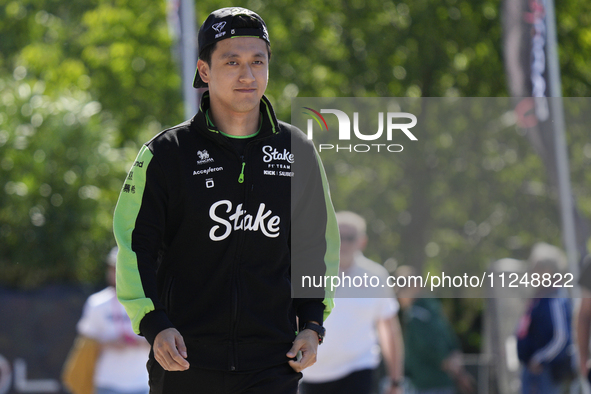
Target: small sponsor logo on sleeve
(127,188)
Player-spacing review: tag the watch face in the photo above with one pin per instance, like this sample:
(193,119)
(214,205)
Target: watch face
(316,328)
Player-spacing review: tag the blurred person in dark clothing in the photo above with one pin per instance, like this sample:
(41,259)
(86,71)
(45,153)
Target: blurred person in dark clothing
(544,335)
(584,318)
(433,359)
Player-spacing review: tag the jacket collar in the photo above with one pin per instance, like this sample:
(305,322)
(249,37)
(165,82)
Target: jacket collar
(270,124)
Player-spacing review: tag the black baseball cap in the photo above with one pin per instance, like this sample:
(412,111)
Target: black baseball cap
(219,26)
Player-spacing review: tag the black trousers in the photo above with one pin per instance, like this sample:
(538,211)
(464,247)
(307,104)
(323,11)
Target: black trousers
(358,382)
(281,379)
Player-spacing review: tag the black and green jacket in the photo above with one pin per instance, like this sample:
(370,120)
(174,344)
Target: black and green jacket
(210,241)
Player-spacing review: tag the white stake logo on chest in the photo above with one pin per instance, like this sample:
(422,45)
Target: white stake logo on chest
(241,220)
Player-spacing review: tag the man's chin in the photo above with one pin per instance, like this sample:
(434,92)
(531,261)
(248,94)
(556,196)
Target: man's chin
(246,104)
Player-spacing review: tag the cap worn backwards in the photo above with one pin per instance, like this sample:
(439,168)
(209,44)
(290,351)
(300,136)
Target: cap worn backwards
(220,24)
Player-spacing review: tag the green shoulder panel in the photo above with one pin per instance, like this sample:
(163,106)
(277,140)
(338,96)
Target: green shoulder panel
(333,241)
(130,291)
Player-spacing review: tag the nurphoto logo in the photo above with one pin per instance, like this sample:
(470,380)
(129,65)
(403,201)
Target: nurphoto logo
(394,124)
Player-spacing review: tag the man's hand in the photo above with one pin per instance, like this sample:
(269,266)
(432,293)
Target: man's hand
(395,390)
(454,366)
(392,344)
(535,368)
(465,383)
(170,350)
(307,343)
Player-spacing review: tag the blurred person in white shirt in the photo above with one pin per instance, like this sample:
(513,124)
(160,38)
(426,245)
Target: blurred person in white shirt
(121,366)
(363,321)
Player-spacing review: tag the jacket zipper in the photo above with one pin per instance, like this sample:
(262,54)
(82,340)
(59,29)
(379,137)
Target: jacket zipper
(236,283)
(241,177)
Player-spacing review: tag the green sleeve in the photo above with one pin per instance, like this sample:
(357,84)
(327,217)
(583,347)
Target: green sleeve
(332,255)
(136,265)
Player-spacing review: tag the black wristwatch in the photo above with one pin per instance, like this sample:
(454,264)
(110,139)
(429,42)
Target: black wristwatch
(396,382)
(321,331)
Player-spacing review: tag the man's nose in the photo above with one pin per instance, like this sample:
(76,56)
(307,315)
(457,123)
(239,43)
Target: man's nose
(246,74)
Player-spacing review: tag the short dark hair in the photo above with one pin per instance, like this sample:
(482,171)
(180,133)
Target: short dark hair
(240,22)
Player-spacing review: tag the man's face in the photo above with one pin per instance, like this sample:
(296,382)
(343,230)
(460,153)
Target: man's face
(351,241)
(111,276)
(238,73)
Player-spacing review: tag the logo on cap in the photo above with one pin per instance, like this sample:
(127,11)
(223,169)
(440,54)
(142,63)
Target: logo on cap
(218,26)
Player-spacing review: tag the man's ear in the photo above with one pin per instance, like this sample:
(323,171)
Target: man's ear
(362,242)
(203,68)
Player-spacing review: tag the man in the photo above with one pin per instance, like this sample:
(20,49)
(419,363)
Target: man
(584,317)
(350,355)
(210,232)
(433,360)
(121,365)
(544,339)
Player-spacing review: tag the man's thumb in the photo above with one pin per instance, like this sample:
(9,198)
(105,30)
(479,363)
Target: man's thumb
(294,350)
(180,345)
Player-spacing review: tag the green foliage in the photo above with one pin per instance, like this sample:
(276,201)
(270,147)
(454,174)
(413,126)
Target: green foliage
(82,84)
(574,37)
(60,176)
(380,48)
(120,52)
